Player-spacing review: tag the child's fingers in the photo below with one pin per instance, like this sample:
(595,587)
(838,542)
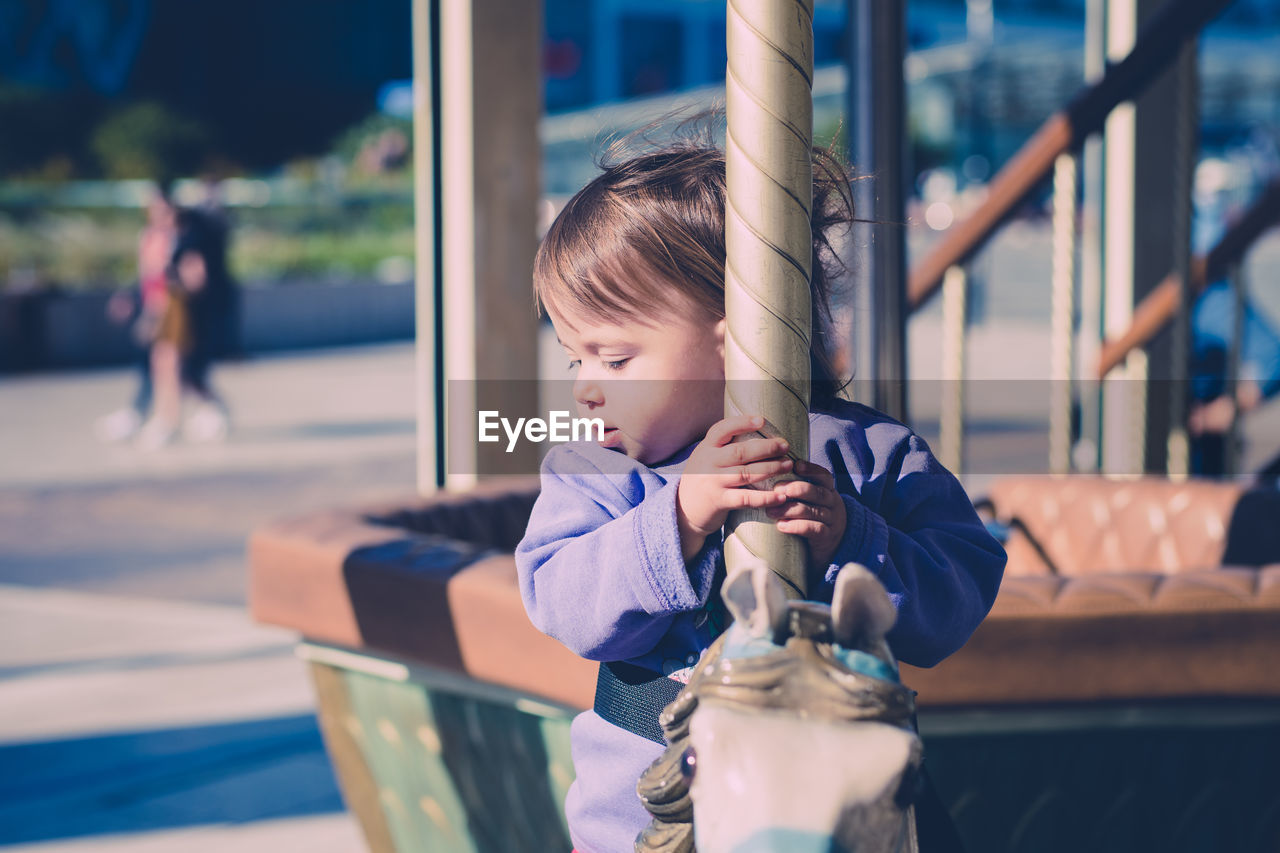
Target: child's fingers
(749,499)
(810,493)
(795,510)
(751,450)
(722,432)
(802,527)
(755,472)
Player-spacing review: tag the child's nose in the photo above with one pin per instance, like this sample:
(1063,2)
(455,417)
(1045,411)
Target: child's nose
(587,391)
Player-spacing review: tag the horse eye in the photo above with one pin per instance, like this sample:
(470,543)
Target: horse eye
(689,764)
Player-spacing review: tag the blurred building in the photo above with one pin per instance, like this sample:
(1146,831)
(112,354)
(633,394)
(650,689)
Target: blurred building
(274,80)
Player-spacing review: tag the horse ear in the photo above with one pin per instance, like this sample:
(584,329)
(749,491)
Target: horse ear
(860,607)
(755,598)
(773,616)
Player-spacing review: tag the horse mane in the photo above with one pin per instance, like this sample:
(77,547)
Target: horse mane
(803,675)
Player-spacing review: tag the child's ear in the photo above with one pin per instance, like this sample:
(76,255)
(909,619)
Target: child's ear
(720,327)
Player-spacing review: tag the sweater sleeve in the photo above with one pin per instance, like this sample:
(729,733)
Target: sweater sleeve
(917,530)
(600,567)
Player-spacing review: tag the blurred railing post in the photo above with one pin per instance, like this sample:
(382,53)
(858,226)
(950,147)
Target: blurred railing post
(1062,321)
(1186,142)
(1139,212)
(955,285)
(1085,456)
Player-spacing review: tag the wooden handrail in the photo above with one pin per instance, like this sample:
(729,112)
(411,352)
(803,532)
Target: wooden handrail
(1157,46)
(1162,304)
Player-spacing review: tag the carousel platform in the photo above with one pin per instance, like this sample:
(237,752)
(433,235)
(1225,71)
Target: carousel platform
(1122,694)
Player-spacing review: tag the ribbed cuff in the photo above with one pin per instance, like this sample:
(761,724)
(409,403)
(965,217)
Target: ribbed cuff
(667,584)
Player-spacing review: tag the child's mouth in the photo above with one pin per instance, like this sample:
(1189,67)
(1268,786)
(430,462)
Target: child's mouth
(611,437)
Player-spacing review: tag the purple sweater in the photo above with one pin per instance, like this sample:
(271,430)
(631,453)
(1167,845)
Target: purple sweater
(601,571)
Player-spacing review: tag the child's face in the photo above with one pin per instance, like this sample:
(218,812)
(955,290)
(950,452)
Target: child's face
(657,388)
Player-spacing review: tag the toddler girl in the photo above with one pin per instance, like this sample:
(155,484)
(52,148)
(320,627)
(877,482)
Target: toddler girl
(622,558)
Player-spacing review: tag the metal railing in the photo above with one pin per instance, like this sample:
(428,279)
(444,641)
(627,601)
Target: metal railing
(1160,306)
(1055,147)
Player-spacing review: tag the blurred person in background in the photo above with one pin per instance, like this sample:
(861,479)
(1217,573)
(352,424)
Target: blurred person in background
(1221,193)
(1214,410)
(172,341)
(144,306)
(200,265)
(184,315)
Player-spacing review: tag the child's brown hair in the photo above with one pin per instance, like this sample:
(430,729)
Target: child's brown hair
(655,222)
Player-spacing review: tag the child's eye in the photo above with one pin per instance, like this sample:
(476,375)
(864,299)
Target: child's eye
(574,364)
(616,365)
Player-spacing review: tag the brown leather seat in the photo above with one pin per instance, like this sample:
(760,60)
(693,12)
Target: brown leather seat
(430,581)
(1113,593)
(1087,525)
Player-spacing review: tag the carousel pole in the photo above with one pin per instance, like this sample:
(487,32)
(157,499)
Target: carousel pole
(768,155)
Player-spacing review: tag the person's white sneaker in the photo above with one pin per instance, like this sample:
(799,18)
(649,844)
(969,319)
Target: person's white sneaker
(207,423)
(155,434)
(120,425)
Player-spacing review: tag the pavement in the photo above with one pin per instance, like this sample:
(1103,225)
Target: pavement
(136,725)
(140,709)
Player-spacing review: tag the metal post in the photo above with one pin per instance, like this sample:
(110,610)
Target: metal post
(428,356)
(875,115)
(1086,455)
(769,172)
(1186,149)
(1118,452)
(490,105)
(955,285)
(1063,313)
(1140,205)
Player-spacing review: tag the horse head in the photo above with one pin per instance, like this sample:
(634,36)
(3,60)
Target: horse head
(793,733)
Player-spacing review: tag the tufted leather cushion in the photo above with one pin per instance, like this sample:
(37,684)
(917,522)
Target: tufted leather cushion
(1127,637)
(1089,525)
(433,581)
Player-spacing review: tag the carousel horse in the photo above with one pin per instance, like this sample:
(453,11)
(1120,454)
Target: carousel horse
(793,733)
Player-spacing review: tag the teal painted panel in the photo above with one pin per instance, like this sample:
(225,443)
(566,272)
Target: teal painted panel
(498,758)
(463,773)
(403,748)
(560,772)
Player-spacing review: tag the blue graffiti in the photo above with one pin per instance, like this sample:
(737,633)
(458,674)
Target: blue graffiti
(63,43)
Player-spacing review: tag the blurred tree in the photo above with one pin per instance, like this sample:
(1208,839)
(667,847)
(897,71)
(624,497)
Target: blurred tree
(148,140)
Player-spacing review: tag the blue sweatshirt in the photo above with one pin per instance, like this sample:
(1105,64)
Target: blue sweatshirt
(601,571)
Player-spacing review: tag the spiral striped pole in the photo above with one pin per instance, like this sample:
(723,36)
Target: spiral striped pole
(769,106)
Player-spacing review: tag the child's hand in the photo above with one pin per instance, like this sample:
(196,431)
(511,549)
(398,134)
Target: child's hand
(713,478)
(814,510)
